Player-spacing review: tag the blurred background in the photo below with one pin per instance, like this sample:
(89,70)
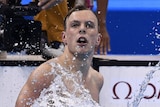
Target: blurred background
(134,29)
(133,26)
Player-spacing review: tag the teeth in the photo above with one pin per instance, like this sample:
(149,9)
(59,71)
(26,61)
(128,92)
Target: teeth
(82,39)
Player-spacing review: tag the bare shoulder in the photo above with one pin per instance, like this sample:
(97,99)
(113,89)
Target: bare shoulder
(97,77)
(43,73)
(41,77)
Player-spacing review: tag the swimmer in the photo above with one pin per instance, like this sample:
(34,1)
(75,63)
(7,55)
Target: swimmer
(68,80)
(52,15)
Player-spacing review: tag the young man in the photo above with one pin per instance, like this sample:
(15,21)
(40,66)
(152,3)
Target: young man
(68,80)
(52,14)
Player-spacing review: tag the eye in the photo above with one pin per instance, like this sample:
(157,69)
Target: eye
(75,24)
(90,24)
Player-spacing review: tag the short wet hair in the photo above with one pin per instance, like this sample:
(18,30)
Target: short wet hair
(74,9)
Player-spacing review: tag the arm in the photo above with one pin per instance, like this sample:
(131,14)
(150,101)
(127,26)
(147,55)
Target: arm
(101,14)
(87,3)
(26,96)
(97,84)
(79,2)
(46,4)
(33,87)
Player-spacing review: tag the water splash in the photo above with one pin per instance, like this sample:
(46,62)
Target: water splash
(143,87)
(66,90)
(155,34)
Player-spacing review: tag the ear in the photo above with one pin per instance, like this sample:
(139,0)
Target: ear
(98,39)
(64,37)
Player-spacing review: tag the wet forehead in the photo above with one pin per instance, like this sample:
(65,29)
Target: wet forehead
(83,15)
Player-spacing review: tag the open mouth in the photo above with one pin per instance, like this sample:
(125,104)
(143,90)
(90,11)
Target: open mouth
(82,40)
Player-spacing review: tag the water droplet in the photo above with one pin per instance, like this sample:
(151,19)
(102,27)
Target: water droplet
(35,91)
(74,58)
(99,12)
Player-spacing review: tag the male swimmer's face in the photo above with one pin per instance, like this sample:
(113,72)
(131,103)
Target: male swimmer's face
(81,34)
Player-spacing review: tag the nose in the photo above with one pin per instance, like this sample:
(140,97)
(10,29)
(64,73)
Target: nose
(82,29)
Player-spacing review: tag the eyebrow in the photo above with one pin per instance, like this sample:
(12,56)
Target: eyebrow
(90,22)
(85,21)
(75,21)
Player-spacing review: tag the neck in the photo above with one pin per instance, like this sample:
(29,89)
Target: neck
(77,62)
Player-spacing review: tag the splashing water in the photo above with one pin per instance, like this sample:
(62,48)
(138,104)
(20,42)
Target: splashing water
(66,90)
(143,86)
(155,34)
(137,99)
